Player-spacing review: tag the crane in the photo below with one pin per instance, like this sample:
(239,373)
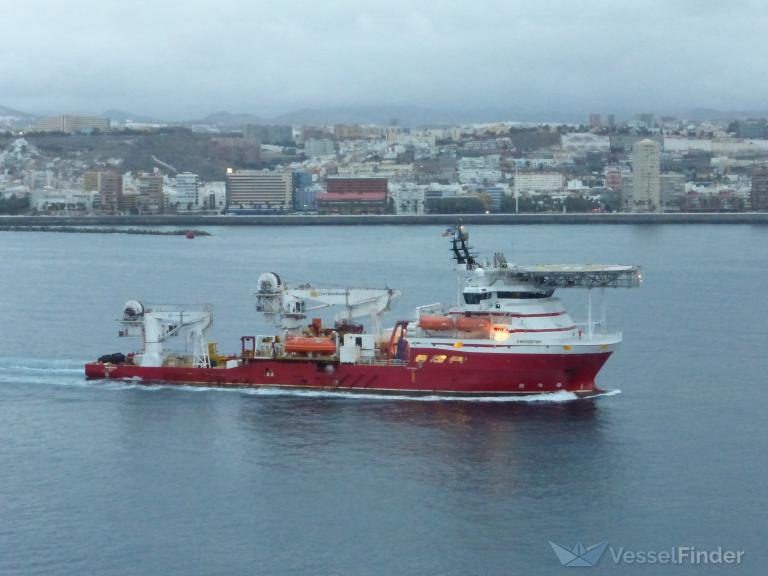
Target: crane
(288,306)
(157,323)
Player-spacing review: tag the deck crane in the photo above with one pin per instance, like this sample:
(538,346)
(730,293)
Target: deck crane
(288,306)
(157,323)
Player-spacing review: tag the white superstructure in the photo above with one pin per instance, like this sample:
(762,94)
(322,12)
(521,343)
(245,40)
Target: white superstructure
(514,308)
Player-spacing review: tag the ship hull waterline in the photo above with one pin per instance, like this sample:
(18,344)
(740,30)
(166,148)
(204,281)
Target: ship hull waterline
(484,375)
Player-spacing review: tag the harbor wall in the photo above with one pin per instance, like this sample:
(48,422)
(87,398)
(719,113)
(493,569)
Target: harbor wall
(349,220)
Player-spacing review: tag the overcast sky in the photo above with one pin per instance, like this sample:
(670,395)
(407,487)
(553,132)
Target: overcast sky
(188,58)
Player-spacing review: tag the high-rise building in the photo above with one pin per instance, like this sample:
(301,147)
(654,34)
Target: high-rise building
(646,188)
(305,188)
(496,194)
(348,131)
(671,190)
(758,194)
(752,128)
(305,199)
(109,185)
(319,147)
(645,119)
(259,189)
(69,123)
(269,133)
(187,190)
(613,178)
(151,199)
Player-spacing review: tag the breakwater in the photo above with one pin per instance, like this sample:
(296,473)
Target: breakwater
(351,220)
(93,230)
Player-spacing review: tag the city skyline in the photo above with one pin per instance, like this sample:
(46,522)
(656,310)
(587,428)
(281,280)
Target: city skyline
(522,59)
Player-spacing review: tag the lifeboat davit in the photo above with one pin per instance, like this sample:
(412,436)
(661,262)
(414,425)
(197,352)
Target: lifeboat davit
(437,323)
(304,344)
(469,324)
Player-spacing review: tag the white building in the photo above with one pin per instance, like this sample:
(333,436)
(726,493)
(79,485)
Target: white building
(585,142)
(436,190)
(671,189)
(187,191)
(477,169)
(408,198)
(646,187)
(63,202)
(212,196)
(413,137)
(390,170)
(259,189)
(539,182)
(319,147)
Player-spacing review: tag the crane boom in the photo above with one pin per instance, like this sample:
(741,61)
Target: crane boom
(289,306)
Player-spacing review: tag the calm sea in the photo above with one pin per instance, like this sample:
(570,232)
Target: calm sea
(119,479)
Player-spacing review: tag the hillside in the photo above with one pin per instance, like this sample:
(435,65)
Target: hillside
(206,155)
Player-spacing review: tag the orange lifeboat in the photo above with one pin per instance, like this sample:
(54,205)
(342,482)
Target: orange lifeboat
(302,344)
(438,323)
(469,324)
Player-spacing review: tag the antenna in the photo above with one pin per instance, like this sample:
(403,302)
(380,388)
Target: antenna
(461,249)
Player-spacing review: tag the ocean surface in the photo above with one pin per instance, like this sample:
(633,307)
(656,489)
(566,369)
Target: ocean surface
(120,479)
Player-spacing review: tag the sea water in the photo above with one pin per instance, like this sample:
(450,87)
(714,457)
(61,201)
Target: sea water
(117,478)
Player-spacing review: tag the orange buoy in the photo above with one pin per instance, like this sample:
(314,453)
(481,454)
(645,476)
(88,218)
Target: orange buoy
(469,324)
(302,344)
(438,323)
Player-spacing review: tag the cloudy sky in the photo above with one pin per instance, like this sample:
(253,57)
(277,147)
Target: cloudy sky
(187,58)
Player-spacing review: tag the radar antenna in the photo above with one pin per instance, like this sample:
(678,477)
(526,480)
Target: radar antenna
(461,249)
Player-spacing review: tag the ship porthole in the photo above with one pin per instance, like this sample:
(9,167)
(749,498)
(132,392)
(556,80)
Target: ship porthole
(521,386)
(540,385)
(559,384)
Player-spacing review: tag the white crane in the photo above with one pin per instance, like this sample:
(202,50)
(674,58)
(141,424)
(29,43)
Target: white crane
(288,307)
(157,323)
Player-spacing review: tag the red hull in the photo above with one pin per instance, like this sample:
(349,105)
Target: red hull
(481,374)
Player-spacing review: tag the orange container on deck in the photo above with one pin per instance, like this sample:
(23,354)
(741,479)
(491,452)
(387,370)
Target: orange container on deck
(469,324)
(301,344)
(439,323)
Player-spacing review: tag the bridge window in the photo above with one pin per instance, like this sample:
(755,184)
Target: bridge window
(475,297)
(524,295)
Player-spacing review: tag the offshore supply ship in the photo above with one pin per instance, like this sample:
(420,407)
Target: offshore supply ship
(507,335)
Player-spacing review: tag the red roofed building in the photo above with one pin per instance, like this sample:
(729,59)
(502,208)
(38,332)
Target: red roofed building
(353,196)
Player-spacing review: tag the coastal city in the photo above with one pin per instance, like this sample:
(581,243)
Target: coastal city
(383,288)
(96,165)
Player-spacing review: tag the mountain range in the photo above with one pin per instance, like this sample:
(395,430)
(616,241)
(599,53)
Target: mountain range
(10,118)
(402,115)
